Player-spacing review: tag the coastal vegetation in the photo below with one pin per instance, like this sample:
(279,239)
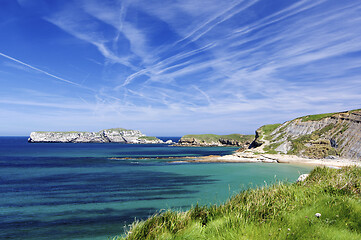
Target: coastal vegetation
(327,205)
(263,135)
(266,130)
(317,117)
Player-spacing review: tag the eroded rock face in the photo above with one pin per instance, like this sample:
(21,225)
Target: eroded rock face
(257,142)
(116,135)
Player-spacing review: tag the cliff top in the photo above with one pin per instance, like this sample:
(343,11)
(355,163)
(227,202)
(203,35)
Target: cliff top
(317,117)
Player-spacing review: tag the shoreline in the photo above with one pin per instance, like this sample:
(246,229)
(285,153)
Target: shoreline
(250,157)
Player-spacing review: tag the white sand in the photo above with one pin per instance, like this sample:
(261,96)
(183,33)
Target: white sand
(277,158)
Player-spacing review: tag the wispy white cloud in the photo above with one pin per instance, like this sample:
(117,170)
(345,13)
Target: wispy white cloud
(46,104)
(39,70)
(232,58)
(224,15)
(74,22)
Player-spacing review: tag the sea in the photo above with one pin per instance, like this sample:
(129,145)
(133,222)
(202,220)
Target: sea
(96,190)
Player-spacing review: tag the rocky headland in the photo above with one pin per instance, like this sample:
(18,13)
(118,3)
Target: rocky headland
(207,140)
(323,136)
(113,135)
(331,139)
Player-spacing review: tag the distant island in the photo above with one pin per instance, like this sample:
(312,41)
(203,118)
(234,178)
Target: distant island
(206,140)
(113,135)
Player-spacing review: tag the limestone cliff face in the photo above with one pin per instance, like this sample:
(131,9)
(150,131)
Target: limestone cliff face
(318,136)
(116,135)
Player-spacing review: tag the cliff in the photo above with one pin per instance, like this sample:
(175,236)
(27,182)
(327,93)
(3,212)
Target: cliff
(237,140)
(115,135)
(331,135)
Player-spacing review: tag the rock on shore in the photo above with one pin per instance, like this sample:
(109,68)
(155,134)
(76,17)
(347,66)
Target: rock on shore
(115,135)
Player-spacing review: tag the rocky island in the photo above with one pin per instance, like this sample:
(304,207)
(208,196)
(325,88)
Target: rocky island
(207,140)
(113,135)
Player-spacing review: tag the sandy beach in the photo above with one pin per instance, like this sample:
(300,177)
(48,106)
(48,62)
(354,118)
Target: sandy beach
(250,157)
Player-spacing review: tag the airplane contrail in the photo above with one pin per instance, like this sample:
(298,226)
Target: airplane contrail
(42,71)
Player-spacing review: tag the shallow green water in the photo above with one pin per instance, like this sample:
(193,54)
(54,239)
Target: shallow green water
(75,191)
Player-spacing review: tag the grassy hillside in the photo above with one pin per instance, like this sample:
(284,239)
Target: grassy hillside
(266,130)
(281,211)
(317,117)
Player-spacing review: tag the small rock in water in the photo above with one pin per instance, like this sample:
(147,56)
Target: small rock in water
(318,215)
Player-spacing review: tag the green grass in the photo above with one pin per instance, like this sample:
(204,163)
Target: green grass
(270,149)
(324,115)
(280,211)
(237,137)
(355,110)
(268,129)
(316,117)
(208,138)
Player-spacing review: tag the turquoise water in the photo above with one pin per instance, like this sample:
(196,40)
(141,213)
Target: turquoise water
(75,191)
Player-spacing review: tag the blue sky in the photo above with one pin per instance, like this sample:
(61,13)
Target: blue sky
(175,67)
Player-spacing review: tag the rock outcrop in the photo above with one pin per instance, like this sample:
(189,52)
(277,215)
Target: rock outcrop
(114,135)
(302,177)
(206,140)
(334,135)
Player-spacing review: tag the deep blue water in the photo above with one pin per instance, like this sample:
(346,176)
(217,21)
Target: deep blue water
(76,191)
